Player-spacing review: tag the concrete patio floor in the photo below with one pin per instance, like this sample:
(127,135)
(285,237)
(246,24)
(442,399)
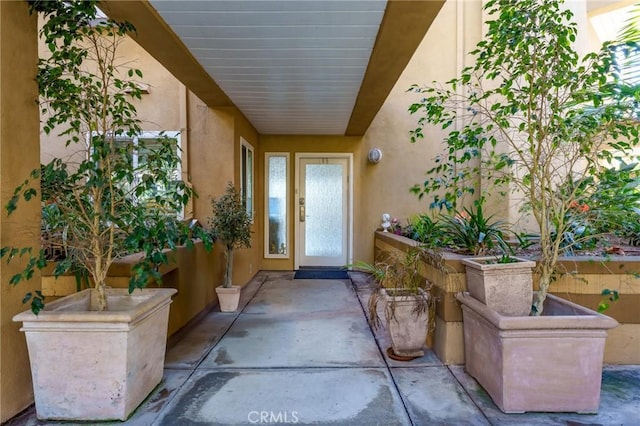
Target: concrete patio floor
(301,352)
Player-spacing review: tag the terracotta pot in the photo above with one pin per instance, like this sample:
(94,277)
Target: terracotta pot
(90,365)
(547,363)
(407,328)
(228,298)
(504,287)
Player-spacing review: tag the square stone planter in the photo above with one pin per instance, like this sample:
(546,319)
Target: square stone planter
(549,363)
(504,287)
(90,365)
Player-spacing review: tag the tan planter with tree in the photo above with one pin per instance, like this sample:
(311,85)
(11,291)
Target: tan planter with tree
(501,353)
(537,124)
(96,355)
(97,365)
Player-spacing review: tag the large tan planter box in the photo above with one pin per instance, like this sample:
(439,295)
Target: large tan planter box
(549,363)
(89,365)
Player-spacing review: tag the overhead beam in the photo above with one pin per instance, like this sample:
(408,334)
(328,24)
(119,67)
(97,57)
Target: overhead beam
(403,27)
(157,38)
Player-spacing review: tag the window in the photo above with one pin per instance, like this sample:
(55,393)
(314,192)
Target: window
(138,149)
(277,202)
(246,175)
(607,26)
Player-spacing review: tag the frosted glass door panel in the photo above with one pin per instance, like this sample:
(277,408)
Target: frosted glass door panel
(323,201)
(322,212)
(277,205)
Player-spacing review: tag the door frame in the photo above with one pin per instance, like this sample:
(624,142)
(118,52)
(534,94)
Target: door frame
(296,192)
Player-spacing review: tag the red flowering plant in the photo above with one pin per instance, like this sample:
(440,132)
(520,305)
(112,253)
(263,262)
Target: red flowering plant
(579,232)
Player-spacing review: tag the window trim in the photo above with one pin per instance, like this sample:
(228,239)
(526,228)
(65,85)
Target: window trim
(287,157)
(250,207)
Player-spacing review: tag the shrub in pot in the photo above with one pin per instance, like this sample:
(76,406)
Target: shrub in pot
(503,283)
(408,303)
(231,224)
(536,120)
(104,202)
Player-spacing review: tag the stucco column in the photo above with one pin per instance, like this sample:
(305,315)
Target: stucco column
(19,154)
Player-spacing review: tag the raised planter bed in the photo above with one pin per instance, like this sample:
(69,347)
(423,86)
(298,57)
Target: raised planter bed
(586,277)
(189,271)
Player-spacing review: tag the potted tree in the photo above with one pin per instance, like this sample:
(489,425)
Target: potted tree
(97,354)
(535,118)
(231,224)
(408,304)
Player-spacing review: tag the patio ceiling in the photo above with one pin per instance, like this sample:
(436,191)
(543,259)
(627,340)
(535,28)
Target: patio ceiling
(290,66)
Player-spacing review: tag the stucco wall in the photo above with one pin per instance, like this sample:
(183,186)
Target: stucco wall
(214,160)
(247,262)
(385,186)
(19,154)
(157,110)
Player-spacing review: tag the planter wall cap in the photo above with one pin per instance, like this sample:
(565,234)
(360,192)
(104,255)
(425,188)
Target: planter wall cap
(480,263)
(121,309)
(558,313)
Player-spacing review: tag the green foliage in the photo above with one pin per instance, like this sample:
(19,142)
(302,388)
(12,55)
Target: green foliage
(106,206)
(474,232)
(231,224)
(505,258)
(399,274)
(613,198)
(531,118)
(631,30)
(428,232)
(502,259)
(608,296)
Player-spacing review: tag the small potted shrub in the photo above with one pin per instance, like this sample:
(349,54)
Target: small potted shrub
(231,224)
(504,283)
(408,303)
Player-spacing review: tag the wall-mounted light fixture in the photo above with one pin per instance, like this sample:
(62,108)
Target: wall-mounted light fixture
(375,155)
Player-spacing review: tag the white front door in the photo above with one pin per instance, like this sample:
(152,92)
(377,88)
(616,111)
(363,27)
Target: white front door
(322,210)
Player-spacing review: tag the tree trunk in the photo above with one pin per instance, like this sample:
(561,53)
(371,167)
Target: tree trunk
(546,273)
(101,296)
(228,274)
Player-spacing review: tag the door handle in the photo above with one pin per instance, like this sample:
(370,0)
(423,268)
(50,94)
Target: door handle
(301,213)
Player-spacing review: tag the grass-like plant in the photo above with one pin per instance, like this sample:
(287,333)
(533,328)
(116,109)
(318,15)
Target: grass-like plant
(427,231)
(398,273)
(471,230)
